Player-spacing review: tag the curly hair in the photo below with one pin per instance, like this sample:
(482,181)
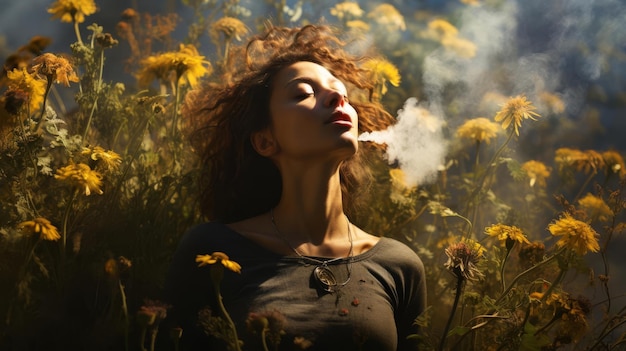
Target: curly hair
(236,182)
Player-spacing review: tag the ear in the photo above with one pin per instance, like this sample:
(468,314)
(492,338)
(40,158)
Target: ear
(264,143)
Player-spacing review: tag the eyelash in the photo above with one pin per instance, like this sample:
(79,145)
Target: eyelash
(306,95)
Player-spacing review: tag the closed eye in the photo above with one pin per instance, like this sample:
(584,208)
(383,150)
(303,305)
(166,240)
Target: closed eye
(303,95)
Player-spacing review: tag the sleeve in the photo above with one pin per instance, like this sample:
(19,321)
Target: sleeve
(412,291)
(188,289)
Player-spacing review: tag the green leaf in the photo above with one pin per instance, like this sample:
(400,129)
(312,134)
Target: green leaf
(459,330)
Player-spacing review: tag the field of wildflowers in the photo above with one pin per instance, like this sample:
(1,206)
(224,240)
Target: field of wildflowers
(502,189)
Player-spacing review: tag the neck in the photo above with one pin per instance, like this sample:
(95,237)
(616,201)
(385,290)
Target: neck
(311,207)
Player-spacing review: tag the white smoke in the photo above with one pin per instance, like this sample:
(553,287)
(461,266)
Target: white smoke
(416,142)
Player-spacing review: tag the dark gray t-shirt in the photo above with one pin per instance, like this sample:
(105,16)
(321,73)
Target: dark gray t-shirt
(375,310)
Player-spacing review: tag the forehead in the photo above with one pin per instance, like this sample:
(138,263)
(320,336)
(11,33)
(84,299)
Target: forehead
(305,71)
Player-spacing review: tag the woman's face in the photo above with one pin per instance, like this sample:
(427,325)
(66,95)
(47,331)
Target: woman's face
(311,115)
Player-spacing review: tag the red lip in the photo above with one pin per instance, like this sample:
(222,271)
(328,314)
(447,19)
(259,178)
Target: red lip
(340,117)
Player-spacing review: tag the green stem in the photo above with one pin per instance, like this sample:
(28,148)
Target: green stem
(483,178)
(608,331)
(263,337)
(457,296)
(529,270)
(27,145)
(77,31)
(153,334)
(95,101)
(45,99)
(65,219)
(125,312)
(506,257)
(142,339)
(582,188)
(553,285)
(235,338)
(176,103)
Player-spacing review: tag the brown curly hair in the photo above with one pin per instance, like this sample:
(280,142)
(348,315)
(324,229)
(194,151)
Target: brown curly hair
(236,182)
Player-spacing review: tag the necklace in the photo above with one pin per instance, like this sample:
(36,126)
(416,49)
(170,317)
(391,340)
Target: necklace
(322,274)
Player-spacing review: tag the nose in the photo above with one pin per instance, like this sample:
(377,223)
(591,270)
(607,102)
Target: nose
(334,98)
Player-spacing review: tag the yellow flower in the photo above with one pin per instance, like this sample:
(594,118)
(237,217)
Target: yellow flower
(614,163)
(346,10)
(536,171)
(110,159)
(387,16)
(41,226)
(587,161)
(491,101)
(595,207)
(218,257)
(55,68)
(21,80)
(382,71)
(72,10)
(186,64)
(81,176)
(439,29)
(478,129)
(358,26)
(506,232)
(400,190)
(471,2)
(230,27)
(575,235)
(462,47)
(553,102)
(514,111)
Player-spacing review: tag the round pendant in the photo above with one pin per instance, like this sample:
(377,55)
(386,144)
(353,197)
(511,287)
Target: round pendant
(325,278)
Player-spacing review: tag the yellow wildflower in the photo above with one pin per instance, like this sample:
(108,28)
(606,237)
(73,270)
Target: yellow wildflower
(347,10)
(55,68)
(72,10)
(388,17)
(358,26)
(81,176)
(614,163)
(218,257)
(587,161)
(382,71)
(595,207)
(575,235)
(447,240)
(400,190)
(552,102)
(471,2)
(478,129)
(514,111)
(537,172)
(491,101)
(110,159)
(571,312)
(506,232)
(41,226)
(20,79)
(439,29)
(230,27)
(186,64)
(462,47)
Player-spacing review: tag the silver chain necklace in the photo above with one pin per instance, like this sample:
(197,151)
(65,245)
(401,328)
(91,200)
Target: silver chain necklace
(323,276)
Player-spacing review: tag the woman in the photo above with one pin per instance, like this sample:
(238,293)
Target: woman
(282,171)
